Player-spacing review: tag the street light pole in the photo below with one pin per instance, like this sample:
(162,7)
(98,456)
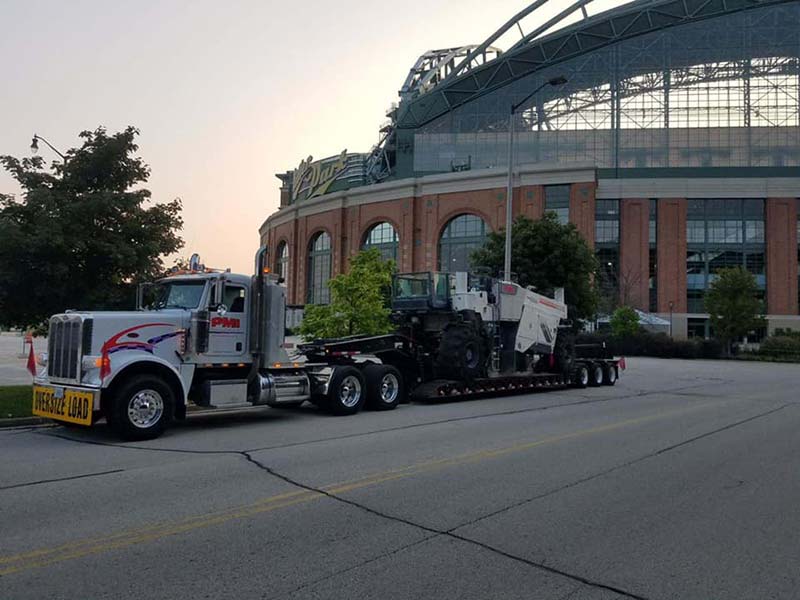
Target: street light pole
(35,146)
(555,81)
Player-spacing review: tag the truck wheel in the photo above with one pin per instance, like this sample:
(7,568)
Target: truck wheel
(385,389)
(141,408)
(346,391)
(596,375)
(610,375)
(461,353)
(580,376)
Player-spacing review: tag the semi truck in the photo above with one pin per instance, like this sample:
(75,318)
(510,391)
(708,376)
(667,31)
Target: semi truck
(215,339)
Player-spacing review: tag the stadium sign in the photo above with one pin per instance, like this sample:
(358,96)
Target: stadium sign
(312,179)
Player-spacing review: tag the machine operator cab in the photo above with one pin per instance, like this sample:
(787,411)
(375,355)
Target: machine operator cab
(437,291)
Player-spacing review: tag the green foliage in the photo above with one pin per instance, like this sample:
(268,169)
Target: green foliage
(624,322)
(781,346)
(82,236)
(733,305)
(659,345)
(358,301)
(547,255)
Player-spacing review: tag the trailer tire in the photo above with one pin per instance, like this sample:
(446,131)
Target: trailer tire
(385,387)
(461,354)
(141,408)
(346,392)
(596,375)
(580,377)
(610,375)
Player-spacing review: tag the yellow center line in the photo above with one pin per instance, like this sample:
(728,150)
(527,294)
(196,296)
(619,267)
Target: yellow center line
(78,549)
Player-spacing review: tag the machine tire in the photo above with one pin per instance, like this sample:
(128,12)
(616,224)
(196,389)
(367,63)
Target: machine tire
(610,375)
(580,376)
(462,353)
(596,375)
(141,408)
(564,352)
(346,392)
(385,387)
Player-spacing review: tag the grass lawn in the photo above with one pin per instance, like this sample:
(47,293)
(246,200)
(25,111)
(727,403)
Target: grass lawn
(15,401)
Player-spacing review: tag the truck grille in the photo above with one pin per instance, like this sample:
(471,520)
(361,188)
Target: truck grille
(64,348)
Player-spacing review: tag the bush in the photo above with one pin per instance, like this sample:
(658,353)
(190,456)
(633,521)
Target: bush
(781,346)
(624,322)
(657,345)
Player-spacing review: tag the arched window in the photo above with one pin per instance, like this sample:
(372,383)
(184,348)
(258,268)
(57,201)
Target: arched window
(463,235)
(319,269)
(282,261)
(383,237)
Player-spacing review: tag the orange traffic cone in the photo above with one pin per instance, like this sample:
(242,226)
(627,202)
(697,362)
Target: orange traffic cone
(31,362)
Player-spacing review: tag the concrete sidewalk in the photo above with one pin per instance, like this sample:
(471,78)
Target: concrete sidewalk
(12,367)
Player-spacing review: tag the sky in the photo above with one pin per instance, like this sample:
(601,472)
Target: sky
(225,93)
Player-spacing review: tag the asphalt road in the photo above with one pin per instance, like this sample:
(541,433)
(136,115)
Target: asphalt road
(680,482)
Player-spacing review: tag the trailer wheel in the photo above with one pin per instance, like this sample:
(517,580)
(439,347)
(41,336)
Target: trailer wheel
(610,375)
(346,391)
(596,375)
(580,376)
(385,387)
(141,408)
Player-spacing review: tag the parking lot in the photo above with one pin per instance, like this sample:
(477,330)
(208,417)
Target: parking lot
(680,482)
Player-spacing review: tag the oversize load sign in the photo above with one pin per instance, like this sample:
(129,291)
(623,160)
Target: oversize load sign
(312,179)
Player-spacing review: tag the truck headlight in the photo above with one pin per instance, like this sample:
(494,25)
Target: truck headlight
(92,362)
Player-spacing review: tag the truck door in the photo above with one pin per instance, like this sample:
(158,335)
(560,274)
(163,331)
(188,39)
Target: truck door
(228,331)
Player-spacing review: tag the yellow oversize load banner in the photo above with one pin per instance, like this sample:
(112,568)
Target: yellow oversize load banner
(73,406)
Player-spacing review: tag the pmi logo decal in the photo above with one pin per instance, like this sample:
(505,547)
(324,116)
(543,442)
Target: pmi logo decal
(226,323)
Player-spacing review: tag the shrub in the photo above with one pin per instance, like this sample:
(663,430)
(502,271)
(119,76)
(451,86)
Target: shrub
(624,322)
(781,346)
(657,345)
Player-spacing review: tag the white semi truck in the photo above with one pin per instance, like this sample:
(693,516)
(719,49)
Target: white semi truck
(216,340)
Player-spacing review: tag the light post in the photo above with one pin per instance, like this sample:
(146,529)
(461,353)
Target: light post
(671,306)
(555,81)
(35,146)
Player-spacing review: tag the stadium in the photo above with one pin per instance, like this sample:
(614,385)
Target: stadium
(673,146)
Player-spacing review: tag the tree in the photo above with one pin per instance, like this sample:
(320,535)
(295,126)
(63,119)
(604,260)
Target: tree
(732,303)
(547,255)
(82,235)
(624,322)
(358,301)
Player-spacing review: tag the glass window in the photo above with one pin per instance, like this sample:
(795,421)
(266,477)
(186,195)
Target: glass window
(461,237)
(556,200)
(383,237)
(282,261)
(653,266)
(234,298)
(721,234)
(320,261)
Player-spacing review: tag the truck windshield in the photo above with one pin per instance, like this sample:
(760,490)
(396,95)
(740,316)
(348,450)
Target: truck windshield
(177,294)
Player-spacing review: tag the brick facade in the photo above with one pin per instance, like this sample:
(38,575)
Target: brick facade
(781,242)
(634,253)
(672,255)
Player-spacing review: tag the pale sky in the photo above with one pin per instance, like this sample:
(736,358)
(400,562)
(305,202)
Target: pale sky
(226,94)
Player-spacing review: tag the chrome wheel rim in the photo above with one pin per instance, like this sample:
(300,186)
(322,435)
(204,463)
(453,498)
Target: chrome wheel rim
(598,375)
(145,409)
(390,387)
(350,391)
(612,375)
(584,377)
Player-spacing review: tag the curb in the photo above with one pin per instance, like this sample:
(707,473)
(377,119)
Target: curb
(23,422)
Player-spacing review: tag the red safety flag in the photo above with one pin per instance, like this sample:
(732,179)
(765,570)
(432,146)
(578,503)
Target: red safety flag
(31,362)
(622,363)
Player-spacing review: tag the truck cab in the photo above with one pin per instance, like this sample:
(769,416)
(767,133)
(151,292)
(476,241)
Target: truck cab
(209,338)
